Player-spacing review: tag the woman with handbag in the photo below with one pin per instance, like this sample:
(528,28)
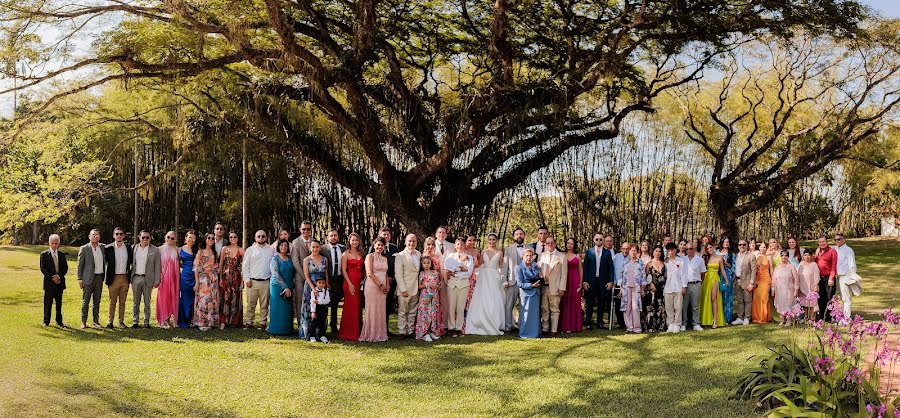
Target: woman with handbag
(281,300)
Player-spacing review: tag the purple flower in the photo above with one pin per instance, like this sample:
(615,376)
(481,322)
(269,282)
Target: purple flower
(812,296)
(835,306)
(891,317)
(853,375)
(824,366)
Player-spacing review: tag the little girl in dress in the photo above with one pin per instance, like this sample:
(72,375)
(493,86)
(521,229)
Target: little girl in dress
(429,324)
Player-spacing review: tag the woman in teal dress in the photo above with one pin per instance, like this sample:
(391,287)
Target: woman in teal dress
(727,287)
(281,302)
(711,312)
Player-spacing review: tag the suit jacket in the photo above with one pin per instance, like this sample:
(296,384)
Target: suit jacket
(448,249)
(510,270)
(299,252)
(389,251)
(325,251)
(48,269)
(109,257)
(407,270)
(86,263)
(747,269)
(153,268)
(607,272)
(555,270)
(533,246)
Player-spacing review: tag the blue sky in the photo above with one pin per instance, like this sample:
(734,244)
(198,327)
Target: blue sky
(888,8)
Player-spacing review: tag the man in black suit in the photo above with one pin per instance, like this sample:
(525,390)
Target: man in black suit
(389,250)
(119,259)
(54,268)
(598,273)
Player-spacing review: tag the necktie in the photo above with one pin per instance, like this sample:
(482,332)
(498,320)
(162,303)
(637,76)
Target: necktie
(55,262)
(442,248)
(520,245)
(334,259)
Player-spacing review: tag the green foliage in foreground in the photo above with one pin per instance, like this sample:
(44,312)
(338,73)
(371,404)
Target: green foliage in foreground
(248,373)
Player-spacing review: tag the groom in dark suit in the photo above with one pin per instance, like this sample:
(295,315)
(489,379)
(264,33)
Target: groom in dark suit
(598,273)
(54,268)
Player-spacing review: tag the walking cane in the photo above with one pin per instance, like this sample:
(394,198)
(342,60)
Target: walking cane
(612,302)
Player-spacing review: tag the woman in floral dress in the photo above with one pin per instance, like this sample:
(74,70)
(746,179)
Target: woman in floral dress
(429,326)
(654,304)
(206,299)
(314,267)
(231,283)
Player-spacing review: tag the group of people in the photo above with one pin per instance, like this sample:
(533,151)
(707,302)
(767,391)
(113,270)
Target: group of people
(543,288)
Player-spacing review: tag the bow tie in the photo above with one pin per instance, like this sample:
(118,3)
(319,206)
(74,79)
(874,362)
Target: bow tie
(520,246)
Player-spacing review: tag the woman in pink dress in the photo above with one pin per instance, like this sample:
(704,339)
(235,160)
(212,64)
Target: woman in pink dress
(785,284)
(571,314)
(376,289)
(809,284)
(167,295)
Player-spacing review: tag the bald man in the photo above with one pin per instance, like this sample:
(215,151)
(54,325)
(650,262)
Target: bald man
(54,268)
(406,271)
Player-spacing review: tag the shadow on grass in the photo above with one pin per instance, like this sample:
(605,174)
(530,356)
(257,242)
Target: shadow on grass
(121,397)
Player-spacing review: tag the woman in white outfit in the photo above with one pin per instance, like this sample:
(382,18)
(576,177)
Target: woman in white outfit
(485,315)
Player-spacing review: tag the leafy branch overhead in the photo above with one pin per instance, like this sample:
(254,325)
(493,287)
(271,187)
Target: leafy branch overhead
(429,105)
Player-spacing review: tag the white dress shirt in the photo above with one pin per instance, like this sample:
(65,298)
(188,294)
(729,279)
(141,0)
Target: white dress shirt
(121,258)
(738,262)
(676,274)
(219,244)
(619,261)
(846,262)
(598,254)
(140,259)
(696,266)
(324,298)
(256,262)
(97,252)
(335,258)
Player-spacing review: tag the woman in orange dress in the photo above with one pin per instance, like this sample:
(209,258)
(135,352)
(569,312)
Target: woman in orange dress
(759,308)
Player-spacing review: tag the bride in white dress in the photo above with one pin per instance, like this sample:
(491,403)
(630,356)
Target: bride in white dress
(485,315)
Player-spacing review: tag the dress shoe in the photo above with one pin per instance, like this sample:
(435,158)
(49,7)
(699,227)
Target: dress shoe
(135,326)
(122,325)
(110,326)
(97,325)
(83,325)
(147,326)
(61,325)
(553,335)
(403,337)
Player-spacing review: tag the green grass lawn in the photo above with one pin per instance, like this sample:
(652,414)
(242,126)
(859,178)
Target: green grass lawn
(52,371)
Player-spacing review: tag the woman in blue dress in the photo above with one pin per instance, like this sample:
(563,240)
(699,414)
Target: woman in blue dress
(530,295)
(186,285)
(281,300)
(727,287)
(314,268)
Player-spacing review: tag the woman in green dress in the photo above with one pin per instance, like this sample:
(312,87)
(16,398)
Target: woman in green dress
(281,302)
(711,310)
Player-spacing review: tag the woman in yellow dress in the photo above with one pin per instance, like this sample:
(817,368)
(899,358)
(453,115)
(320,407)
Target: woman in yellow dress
(759,308)
(711,311)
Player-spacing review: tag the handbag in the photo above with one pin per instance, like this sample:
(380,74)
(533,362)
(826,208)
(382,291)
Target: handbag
(723,287)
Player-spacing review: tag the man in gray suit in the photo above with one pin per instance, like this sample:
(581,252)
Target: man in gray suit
(91,276)
(144,276)
(299,252)
(512,256)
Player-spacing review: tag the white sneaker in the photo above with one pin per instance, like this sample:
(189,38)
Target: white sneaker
(435,337)
(324,340)
(746,321)
(671,328)
(698,328)
(738,321)
(427,338)
(312,339)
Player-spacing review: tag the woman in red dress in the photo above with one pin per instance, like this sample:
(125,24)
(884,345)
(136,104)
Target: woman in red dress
(352,269)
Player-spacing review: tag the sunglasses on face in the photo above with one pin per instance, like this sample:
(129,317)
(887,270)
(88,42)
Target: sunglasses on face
(119,233)
(260,236)
(145,237)
(220,229)
(742,245)
(232,237)
(170,238)
(210,238)
(305,229)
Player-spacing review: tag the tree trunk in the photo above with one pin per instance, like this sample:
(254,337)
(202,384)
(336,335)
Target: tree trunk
(244,192)
(723,202)
(35,232)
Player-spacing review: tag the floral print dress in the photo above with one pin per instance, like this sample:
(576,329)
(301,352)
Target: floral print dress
(654,304)
(316,270)
(428,315)
(231,283)
(206,301)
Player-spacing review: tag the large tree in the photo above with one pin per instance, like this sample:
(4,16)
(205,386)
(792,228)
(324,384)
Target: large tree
(428,105)
(784,111)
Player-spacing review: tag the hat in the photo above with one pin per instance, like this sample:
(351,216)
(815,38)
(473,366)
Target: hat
(320,278)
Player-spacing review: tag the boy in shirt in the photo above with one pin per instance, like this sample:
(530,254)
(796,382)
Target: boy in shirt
(319,310)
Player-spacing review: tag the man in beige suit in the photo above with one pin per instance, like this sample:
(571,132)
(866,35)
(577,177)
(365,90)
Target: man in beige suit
(554,271)
(406,272)
(744,279)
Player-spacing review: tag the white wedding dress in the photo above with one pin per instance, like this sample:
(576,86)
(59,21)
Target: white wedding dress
(485,316)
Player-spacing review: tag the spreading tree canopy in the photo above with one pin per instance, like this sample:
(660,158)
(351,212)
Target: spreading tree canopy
(424,106)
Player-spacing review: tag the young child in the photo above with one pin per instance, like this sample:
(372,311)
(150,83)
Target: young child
(809,283)
(429,324)
(319,310)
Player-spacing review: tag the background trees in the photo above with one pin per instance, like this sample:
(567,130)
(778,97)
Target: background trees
(410,113)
